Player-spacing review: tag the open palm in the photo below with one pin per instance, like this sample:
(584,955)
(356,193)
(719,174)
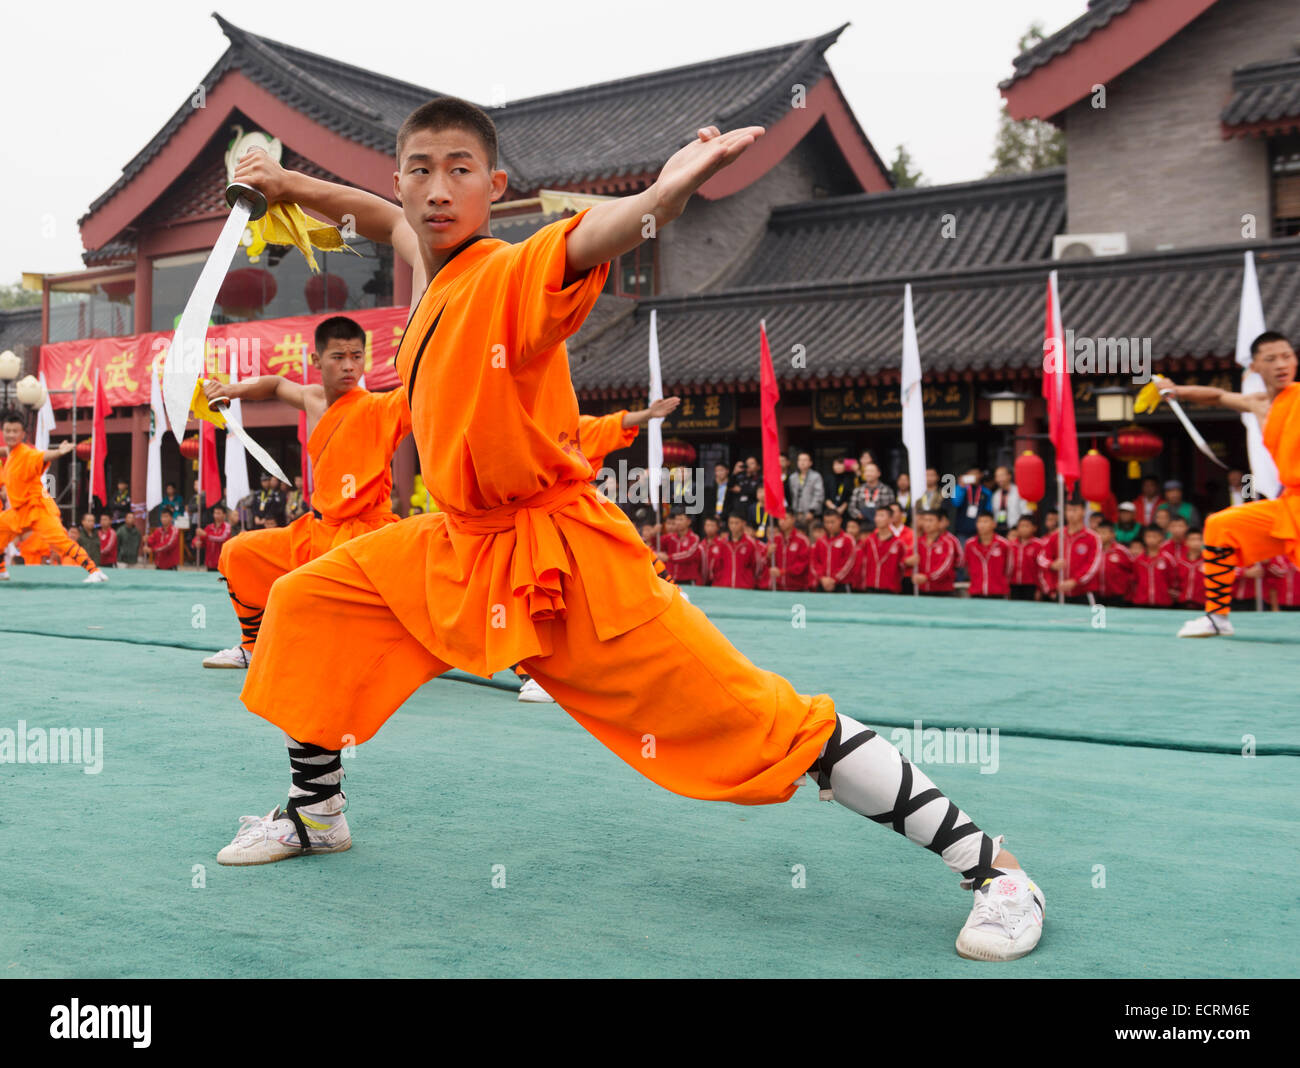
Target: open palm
(690,167)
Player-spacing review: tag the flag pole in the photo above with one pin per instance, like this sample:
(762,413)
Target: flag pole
(1060,529)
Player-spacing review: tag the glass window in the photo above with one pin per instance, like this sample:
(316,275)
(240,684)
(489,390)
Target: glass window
(1284,153)
(101,309)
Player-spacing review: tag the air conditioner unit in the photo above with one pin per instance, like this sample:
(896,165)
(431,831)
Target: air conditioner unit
(1087,246)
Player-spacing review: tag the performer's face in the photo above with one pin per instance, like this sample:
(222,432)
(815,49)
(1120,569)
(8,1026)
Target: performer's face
(1276,363)
(446,186)
(341,364)
(13,433)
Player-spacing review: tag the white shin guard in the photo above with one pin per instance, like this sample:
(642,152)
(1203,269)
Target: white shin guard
(863,772)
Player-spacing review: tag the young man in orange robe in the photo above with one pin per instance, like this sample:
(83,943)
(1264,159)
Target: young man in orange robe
(352,435)
(527,564)
(1254,532)
(30,507)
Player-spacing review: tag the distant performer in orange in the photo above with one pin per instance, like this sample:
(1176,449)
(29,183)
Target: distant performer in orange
(1259,530)
(353,434)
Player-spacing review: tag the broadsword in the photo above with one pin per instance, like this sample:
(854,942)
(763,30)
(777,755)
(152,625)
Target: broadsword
(1192,432)
(185,357)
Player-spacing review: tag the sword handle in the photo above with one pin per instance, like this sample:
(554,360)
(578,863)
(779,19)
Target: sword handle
(237,191)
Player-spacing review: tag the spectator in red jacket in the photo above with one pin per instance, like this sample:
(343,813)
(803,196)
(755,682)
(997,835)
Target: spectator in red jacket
(712,531)
(1176,546)
(683,550)
(880,557)
(1023,576)
(1282,582)
(789,556)
(107,542)
(1116,578)
(1146,504)
(1191,571)
(988,559)
(211,538)
(163,546)
(1078,572)
(1246,581)
(936,556)
(1154,580)
(736,560)
(833,557)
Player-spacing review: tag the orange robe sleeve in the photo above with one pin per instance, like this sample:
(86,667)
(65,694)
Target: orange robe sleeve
(600,435)
(1282,439)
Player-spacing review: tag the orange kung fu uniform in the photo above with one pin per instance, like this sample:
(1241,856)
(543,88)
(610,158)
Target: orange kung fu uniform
(526,563)
(602,434)
(351,451)
(30,507)
(1262,529)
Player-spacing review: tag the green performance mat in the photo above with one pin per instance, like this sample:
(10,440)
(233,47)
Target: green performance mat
(1133,774)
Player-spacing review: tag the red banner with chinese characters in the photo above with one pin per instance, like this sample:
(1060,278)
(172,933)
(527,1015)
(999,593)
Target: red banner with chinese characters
(269,347)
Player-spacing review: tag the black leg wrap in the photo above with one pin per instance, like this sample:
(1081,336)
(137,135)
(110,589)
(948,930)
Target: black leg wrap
(302,774)
(1218,578)
(836,750)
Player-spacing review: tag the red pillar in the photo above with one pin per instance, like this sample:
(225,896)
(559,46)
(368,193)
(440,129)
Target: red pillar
(139,452)
(143,296)
(401,282)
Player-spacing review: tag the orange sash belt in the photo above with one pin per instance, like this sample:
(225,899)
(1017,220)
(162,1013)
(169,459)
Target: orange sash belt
(539,558)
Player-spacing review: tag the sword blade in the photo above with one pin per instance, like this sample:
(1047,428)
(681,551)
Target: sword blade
(256,451)
(1192,432)
(185,358)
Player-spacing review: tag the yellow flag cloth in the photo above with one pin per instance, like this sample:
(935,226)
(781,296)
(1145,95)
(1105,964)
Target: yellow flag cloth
(287,224)
(200,408)
(1148,400)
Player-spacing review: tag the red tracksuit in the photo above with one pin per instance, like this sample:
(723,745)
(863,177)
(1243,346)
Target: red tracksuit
(1154,580)
(166,545)
(1191,580)
(880,563)
(1083,549)
(107,547)
(939,562)
(833,558)
(988,566)
(685,554)
(792,557)
(1174,550)
(1282,577)
(735,564)
(1024,562)
(214,537)
(1116,572)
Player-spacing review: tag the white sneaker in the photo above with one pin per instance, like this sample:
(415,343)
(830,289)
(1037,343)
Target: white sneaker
(532,691)
(94,576)
(1006,920)
(4,575)
(266,839)
(1206,626)
(234,657)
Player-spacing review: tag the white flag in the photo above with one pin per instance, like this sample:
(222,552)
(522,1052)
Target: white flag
(237,487)
(1250,324)
(655,430)
(153,491)
(913,413)
(44,419)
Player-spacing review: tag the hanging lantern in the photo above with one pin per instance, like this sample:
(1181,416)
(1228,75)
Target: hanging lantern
(1134,444)
(84,447)
(1031,479)
(190,447)
(246,292)
(1094,476)
(118,292)
(326,292)
(678,453)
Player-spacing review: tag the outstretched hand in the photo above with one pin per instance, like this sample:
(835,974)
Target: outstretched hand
(690,167)
(664,406)
(258,169)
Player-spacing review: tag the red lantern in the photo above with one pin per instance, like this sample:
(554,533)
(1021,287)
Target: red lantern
(1031,479)
(1094,476)
(246,292)
(120,291)
(1134,444)
(190,447)
(84,447)
(326,292)
(678,453)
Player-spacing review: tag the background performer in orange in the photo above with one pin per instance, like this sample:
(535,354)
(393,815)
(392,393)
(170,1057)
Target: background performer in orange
(352,435)
(527,564)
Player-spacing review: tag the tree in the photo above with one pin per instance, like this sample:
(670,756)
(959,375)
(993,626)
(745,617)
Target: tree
(900,170)
(15,296)
(1026,145)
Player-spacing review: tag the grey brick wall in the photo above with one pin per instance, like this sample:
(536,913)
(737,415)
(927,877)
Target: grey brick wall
(1153,163)
(712,236)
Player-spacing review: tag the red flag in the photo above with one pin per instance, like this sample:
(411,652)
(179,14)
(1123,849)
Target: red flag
(99,443)
(1058,390)
(209,470)
(773,489)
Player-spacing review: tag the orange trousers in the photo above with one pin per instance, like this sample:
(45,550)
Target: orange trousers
(49,529)
(1254,532)
(672,698)
(251,562)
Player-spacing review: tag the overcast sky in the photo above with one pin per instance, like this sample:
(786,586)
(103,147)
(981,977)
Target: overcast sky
(86,85)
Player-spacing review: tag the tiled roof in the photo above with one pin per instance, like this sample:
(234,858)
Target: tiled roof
(1099,13)
(1264,92)
(868,235)
(989,318)
(623,127)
